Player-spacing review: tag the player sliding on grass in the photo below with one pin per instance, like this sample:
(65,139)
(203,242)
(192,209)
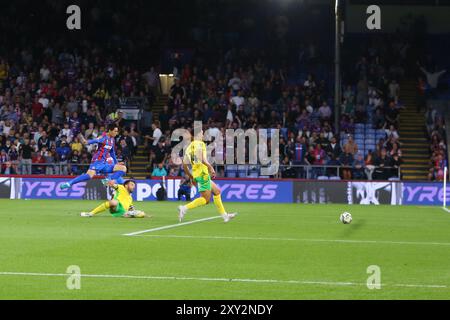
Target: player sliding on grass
(121,205)
(202,171)
(104,161)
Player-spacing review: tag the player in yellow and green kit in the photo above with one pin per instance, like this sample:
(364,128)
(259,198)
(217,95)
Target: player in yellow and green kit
(202,172)
(122,203)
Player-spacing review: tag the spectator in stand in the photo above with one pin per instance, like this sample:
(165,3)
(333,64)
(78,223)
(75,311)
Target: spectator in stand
(63,153)
(159,171)
(392,115)
(50,160)
(437,171)
(325,112)
(4,162)
(333,162)
(161,152)
(299,151)
(346,159)
(36,160)
(74,161)
(125,151)
(397,161)
(76,145)
(25,154)
(369,165)
(319,160)
(152,141)
(432,79)
(351,146)
(13,155)
(358,171)
(392,132)
(394,91)
(382,164)
(334,149)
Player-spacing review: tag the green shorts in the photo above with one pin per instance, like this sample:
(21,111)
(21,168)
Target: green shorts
(118,212)
(203,183)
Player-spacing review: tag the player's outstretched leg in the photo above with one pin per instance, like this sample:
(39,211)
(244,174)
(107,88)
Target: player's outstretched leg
(119,171)
(219,205)
(199,202)
(101,208)
(84,177)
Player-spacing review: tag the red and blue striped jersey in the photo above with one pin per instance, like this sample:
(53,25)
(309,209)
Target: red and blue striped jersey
(105,150)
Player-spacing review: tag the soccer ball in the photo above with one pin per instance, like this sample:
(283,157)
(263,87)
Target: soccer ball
(346,218)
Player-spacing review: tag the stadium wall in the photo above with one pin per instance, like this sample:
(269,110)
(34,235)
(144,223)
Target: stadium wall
(241,190)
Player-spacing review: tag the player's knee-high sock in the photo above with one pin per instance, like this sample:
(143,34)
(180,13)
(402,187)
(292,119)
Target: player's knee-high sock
(219,204)
(196,203)
(117,176)
(84,177)
(103,207)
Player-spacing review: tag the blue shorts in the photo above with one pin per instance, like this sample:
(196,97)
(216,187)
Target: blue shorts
(102,167)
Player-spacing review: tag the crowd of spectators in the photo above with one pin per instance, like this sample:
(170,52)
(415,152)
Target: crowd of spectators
(373,100)
(48,100)
(234,95)
(43,110)
(438,146)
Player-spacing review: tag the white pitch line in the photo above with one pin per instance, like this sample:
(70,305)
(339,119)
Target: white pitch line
(299,240)
(445,209)
(170,226)
(183,278)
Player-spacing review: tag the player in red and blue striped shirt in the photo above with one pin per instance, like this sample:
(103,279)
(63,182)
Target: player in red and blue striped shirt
(104,161)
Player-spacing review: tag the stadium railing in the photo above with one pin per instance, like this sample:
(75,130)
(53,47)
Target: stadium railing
(309,172)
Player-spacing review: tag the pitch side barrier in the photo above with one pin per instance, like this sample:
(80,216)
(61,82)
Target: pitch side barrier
(239,190)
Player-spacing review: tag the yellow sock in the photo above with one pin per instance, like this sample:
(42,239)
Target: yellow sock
(219,204)
(196,203)
(103,207)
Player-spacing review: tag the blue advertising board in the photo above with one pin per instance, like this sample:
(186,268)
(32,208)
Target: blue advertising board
(424,193)
(38,188)
(232,190)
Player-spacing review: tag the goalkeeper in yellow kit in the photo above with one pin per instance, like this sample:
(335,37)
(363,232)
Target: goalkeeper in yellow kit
(202,172)
(122,203)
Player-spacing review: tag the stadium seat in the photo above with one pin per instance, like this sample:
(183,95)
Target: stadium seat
(242,171)
(253,172)
(335,178)
(231,171)
(323,178)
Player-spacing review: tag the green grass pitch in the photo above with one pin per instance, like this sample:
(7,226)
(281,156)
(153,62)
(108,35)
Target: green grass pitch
(270,251)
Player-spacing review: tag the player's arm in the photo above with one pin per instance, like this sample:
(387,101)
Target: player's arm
(113,154)
(205,161)
(95,141)
(186,169)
